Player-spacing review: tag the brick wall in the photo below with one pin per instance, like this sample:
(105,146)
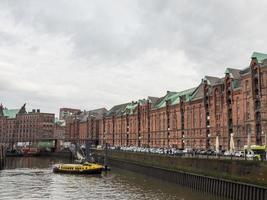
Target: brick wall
(236,104)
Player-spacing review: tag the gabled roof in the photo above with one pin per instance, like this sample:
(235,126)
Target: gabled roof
(174,98)
(198,93)
(116,110)
(153,100)
(97,113)
(162,102)
(186,93)
(245,71)
(234,73)
(130,108)
(212,80)
(23,109)
(259,56)
(83,116)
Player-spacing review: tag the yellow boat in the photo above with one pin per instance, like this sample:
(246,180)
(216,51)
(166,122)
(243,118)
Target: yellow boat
(86,168)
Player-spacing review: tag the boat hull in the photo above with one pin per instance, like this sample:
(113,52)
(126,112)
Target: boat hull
(95,171)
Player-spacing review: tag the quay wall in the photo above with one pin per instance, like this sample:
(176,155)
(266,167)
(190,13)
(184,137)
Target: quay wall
(254,172)
(2,156)
(234,179)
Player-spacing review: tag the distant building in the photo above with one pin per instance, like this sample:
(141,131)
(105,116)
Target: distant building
(18,125)
(85,125)
(64,113)
(59,129)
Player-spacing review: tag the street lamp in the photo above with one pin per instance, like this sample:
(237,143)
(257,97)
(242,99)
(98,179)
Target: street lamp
(139,141)
(265,143)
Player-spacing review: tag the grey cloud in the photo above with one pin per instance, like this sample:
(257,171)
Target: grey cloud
(115,51)
(6,38)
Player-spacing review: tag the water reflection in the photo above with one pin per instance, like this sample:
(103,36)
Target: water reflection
(33,162)
(31,178)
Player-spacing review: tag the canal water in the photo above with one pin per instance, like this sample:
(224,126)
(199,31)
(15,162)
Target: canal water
(32,178)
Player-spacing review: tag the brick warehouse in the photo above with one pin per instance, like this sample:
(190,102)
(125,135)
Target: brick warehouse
(18,125)
(84,125)
(218,107)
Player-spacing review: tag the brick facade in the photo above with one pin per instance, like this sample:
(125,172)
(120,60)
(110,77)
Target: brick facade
(218,107)
(17,125)
(84,126)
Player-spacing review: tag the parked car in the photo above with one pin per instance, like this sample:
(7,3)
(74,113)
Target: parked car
(203,152)
(188,150)
(250,155)
(178,152)
(228,153)
(210,152)
(239,153)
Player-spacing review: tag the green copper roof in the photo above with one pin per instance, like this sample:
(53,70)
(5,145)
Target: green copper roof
(167,97)
(10,113)
(129,109)
(116,110)
(260,56)
(174,97)
(59,122)
(227,71)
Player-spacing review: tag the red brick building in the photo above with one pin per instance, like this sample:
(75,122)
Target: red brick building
(84,125)
(216,108)
(18,125)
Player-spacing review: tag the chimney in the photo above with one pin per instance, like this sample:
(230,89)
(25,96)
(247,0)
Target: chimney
(38,110)
(33,110)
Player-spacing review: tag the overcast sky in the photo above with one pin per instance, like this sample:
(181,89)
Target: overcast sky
(91,54)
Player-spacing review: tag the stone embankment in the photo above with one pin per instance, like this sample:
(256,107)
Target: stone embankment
(234,179)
